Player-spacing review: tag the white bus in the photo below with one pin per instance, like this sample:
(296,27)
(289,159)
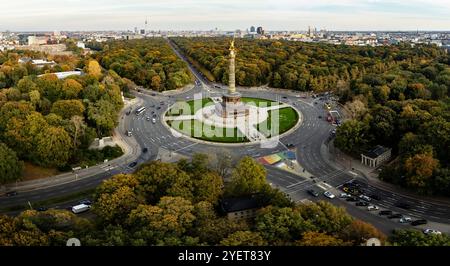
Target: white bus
(140,110)
(80,208)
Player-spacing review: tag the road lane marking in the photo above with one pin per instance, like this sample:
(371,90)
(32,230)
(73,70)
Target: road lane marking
(298,183)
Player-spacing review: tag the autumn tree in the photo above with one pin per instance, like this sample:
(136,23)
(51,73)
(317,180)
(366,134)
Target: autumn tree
(358,232)
(244,238)
(68,108)
(317,239)
(10,166)
(248,177)
(419,169)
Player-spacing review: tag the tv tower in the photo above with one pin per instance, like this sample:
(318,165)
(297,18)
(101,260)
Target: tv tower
(146,24)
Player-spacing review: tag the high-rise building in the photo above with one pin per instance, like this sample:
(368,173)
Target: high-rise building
(252,29)
(136,30)
(260,30)
(142,31)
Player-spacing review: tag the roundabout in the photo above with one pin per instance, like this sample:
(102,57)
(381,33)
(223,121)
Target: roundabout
(261,121)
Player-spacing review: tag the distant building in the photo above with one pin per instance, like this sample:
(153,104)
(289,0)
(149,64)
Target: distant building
(260,30)
(142,31)
(37,40)
(36,62)
(63,75)
(376,156)
(252,29)
(81,45)
(240,208)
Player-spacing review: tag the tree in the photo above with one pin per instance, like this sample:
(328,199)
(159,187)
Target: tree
(115,206)
(244,238)
(419,169)
(10,166)
(280,225)
(165,223)
(71,88)
(26,84)
(156,82)
(163,179)
(208,187)
(415,238)
(94,69)
(53,147)
(358,232)
(325,217)
(312,238)
(103,115)
(248,177)
(352,136)
(68,108)
(35,97)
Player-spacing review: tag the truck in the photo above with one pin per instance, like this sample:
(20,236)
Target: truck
(80,208)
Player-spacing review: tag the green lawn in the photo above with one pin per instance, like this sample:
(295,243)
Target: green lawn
(179,108)
(259,102)
(199,131)
(288,117)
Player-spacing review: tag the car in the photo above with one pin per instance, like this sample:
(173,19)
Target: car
(133,164)
(290,145)
(395,215)
(153,120)
(405,220)
(312,192)
(42,209)
(284,97)
(81,208)
(154,115)
(147,118)
(362,203)
(329,195)
(372,208)
(431,232)
(375,196)
(364,197)
(403,205)
(129,133)
(385,212)
(344,195)
(158,108)
(352,199)
(128,112)
(320,117)
(419,222)
(153,94)
(85,202)
(11,193)
(144,150)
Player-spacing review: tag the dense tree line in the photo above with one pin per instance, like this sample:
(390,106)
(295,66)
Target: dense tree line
(49,121)
(310,66)
(150,63)
(177,204)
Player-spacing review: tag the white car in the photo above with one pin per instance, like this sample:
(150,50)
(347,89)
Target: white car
(364,197)
(372,208)
(344,195)
(329,195)
(431,232)
(405,220)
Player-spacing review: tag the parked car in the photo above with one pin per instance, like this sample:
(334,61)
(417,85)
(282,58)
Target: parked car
(42,209)
(405,220)
(375,196)
(385,212)
(372,208)
(144,150)
(364,197)
(133,164)
(419,222)
(11,193)
(344,195)
(362,203)
(153,120)
(313,192)
(329,195)
(431,232)
(403,205)
(80,208)
(147,118)
(395,215)
(352,199)
(129,133)
(85,201)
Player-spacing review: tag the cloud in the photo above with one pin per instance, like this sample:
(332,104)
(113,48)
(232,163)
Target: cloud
(229,14)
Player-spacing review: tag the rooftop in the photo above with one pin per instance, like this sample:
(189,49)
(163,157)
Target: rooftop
(239,204)
(377,151)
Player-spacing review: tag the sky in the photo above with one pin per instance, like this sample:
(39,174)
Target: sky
(49,15)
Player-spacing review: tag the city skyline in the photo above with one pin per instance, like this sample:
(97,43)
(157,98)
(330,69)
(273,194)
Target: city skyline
(357,15)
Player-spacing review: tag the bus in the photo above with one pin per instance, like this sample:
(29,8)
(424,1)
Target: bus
(140,110)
